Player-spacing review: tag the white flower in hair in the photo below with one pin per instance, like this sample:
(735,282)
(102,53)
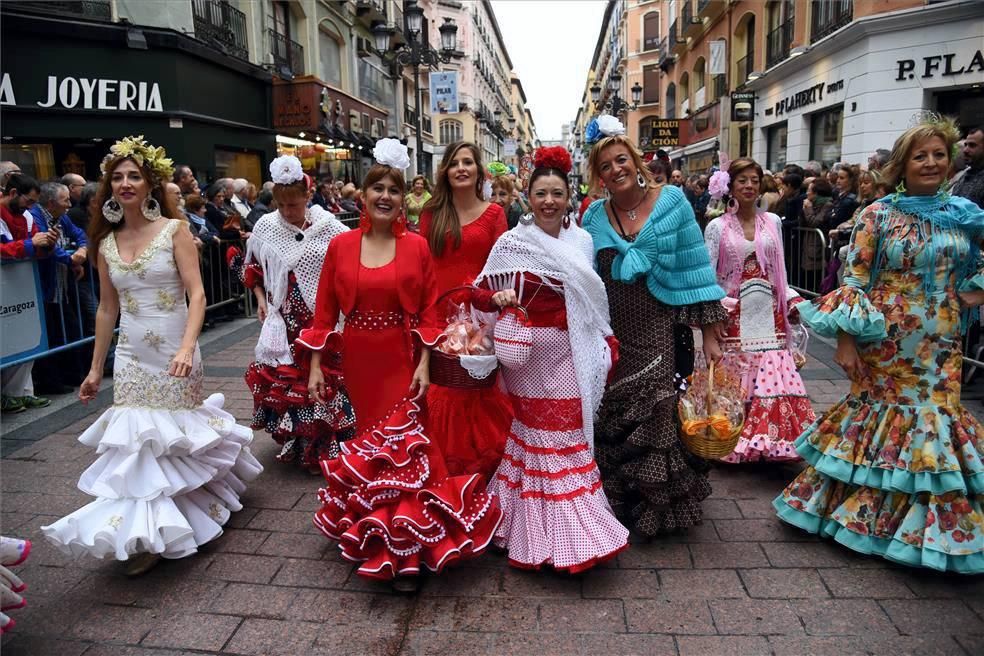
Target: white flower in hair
(286,169)
(610,126)
(391,153)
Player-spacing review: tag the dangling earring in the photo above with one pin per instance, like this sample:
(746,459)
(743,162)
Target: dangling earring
(112,211)
(899,190)
(399,226)
(732,206)
(567,221)
(641,181)
(943,193)
(365,225)
(151,209)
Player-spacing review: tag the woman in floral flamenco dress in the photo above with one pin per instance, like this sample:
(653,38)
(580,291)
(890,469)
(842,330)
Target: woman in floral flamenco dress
(745,246)
(895,467)
(388,499)
(461,227)
(171,464)
(555,510)
(282,266)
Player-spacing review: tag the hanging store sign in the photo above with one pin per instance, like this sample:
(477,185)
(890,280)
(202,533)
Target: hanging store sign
(742,106)
(509,148)
(91,93)
(444,92)
(665,133)
(717,63)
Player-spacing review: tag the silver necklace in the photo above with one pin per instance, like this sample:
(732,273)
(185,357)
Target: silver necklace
(631,214)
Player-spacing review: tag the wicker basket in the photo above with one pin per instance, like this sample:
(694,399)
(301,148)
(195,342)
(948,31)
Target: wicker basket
(446,369)
(706,443)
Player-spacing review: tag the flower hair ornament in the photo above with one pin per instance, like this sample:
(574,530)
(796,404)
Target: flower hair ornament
(141,152)
(605,125)
(496,169)
(718,185)
(553,157)
(392,153)
(286,170)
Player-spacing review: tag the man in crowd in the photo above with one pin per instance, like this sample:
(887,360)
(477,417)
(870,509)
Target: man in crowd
(238,199)
(74,182)
(264,205)
(60,308)
(173,191)
(20,239)
(812,169)
(184,177)
(6,169)
(676,178)
(971,182)
(878,159)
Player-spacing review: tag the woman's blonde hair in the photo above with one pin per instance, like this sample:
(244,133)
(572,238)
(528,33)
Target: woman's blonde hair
(594,176)
(944,127)
(503,182)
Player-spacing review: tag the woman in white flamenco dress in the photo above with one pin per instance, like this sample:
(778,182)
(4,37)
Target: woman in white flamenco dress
(171,465)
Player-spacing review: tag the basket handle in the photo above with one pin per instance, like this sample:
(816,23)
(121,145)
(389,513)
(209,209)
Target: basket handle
(710,385)
(445,295)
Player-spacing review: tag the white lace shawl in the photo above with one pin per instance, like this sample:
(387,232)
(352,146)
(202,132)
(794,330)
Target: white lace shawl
(569,260)
(275,247)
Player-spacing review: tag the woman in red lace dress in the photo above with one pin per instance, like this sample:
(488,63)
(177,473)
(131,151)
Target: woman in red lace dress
(461,227)
(388,498)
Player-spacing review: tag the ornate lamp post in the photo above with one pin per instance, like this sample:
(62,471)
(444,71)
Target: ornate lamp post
(416,53)
(616,105)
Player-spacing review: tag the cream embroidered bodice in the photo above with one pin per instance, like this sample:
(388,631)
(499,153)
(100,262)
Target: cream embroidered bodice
(153,314)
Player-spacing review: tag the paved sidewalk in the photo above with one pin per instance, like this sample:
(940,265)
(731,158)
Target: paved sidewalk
(742,583)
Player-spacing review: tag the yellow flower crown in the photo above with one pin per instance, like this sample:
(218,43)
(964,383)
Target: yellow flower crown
(142,153)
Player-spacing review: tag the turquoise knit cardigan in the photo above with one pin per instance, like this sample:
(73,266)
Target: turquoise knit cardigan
(669,251)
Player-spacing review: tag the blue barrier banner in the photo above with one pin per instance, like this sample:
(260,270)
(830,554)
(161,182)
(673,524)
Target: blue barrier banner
(22,325)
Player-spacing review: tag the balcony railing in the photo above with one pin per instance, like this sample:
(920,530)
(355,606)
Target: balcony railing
(675,35)
(687,15)
(410,117)
(222,26)
(779,42)
(97,9)
(745,67)
(426,124)
(288,55)
(829,16)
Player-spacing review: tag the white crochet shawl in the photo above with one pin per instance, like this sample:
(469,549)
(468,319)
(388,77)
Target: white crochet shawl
(275,247)
(568,259)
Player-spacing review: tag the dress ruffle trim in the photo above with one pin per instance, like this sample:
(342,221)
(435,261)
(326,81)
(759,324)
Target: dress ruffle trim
(382,506)
(314,339)
(940,532)
(771,430)
(846,309)
(897,447)
(158,491)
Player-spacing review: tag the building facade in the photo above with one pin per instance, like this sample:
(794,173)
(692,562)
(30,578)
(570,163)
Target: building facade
(787,80)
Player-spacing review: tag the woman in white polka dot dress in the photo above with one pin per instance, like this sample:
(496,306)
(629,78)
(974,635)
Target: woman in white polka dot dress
(555,365)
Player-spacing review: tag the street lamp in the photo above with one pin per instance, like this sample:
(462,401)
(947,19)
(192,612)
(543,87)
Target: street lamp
(616,105)
(416,53)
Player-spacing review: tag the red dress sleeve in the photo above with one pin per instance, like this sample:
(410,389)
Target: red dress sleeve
(322,330)
(428,331)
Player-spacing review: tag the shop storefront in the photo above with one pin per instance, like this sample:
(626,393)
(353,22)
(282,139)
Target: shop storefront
(859,89)
(331,132)
(67,92)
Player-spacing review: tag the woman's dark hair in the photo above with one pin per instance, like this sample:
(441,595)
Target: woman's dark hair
(657,166)
(213,191)
(794,180)
(822,188)
(193,203)
(89,192)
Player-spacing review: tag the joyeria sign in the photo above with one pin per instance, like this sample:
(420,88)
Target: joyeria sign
(91,93)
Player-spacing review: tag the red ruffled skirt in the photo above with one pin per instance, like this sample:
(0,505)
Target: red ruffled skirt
(307,431)
(390,506)
(469,427)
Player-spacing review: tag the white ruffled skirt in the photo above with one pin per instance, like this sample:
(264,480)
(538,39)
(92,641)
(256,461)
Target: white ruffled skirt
(165,482)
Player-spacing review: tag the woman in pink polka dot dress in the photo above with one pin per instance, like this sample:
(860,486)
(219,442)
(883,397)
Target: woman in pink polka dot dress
(745,246)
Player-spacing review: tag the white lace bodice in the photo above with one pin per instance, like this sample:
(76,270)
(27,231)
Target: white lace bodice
(153,315)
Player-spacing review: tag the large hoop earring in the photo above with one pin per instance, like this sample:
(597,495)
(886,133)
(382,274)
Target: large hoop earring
(151,208)
(640,180)
(732,206)
(112,211)
(365,225)
(567,221)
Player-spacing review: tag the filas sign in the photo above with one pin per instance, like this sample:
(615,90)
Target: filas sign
(91,93)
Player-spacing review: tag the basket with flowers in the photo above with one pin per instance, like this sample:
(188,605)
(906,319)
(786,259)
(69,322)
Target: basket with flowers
(712,411)
(465,359)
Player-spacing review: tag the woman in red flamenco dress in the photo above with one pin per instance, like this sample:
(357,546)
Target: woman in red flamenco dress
(470,426)
(388,499)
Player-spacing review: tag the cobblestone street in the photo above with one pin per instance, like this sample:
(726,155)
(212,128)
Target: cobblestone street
(742,583)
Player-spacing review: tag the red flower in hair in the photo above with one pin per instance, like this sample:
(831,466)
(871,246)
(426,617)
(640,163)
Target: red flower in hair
(553,157)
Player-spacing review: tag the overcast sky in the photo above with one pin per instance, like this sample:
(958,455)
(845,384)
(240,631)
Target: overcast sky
(550,43)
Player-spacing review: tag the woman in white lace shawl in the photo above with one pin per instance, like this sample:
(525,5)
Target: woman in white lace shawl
(555,358)
(283,263)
